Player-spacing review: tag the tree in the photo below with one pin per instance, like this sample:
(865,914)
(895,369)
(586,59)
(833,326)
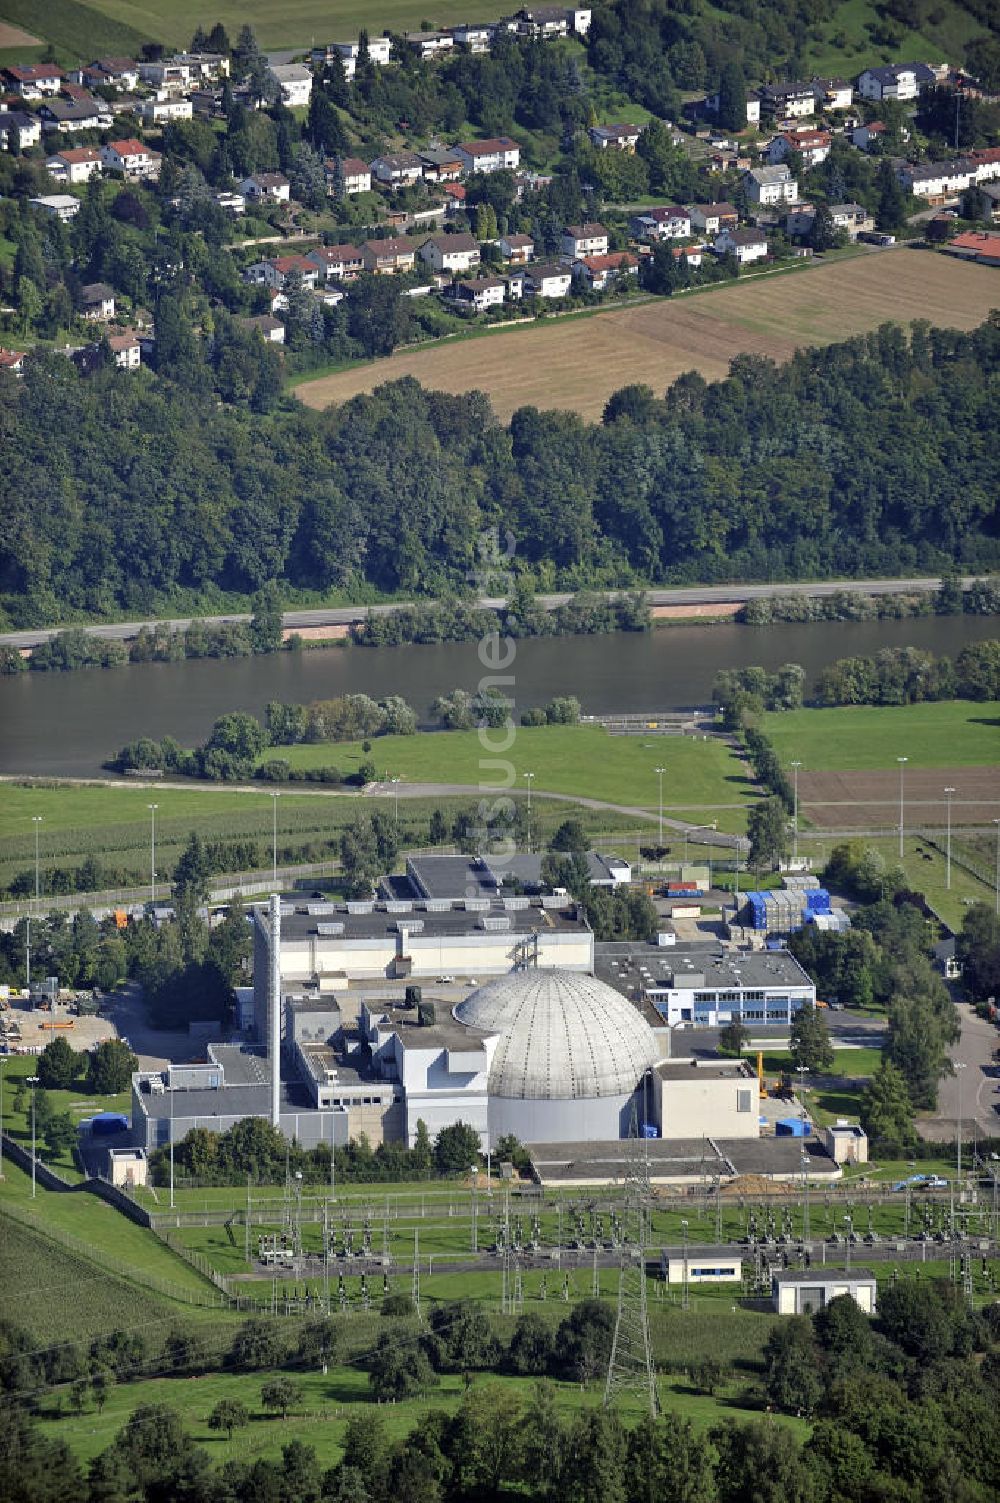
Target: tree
(978,950)
(229,1415)
(462,1337)
(582,1347)
(257,1345)
(60,1134)
(456,1148)
(732,112)
(59,1065)
(791,1374)
(530,1352)
(398,1371)
(810,1044)
(422,1153)
(570,836)
(280,1393)
(110,1068)
(891,212)
(734,1037)
(823,233)
(767,828)
(917,1044)
(266,623)
(318,1343)
(886,1110)
(490,1419)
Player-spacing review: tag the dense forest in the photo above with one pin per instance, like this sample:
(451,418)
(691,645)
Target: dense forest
(876,456)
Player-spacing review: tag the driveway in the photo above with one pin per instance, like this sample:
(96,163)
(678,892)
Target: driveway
(978,1083)
(129,1013)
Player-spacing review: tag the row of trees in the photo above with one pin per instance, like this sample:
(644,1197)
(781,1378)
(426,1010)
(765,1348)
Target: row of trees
(676,489)
(982,598)
(523,616)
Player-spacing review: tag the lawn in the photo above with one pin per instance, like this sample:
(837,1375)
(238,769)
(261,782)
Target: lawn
(78,1102)
(925,868)
(583,761)
(948,733)
(293,23)
(576,363)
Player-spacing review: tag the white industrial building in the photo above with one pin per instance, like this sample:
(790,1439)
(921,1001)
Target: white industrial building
(804,1292)
(702,987)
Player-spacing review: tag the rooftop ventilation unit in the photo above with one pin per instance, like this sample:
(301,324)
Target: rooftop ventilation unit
(515,905)
(410,926)
(438,905)
(319,910)
(329,931)
(477,905)
(360,908)
(287,910)
(400,906)
(496,923)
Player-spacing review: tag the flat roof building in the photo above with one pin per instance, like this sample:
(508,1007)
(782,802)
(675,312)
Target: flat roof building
(708,986)
(803,1292)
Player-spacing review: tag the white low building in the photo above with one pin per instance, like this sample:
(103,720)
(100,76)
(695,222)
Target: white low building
(295,82)
(805,1292)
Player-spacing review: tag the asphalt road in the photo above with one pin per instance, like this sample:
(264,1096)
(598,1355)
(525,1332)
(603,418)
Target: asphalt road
(974,1089)
(345,614)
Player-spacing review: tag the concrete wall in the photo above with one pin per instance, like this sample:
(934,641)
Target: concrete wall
(706,1106)
(567,1121)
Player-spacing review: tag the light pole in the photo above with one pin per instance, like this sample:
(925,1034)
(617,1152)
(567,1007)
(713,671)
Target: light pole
(395,801)
(529,778)
(274,840)
(947,881)
(805,1196)
(32,1081)
(36,820)
(152,853)
(902,766)
(795,809)
(659,773)
(170,1088)
(959,1067)
(997,823)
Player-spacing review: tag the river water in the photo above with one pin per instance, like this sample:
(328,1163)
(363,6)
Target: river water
(66,724)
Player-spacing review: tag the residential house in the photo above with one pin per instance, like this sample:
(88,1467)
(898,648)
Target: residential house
(869,137)
(709,219)
(74,165)
(711,106)
(787,101)
(184,68)
(474,38)
(853,219)
(275,273)
(729,161)
(992,191)
(977,245)
(266,187)
(694,255)
(986,161)
(62,206)
(451,252)
(163,111)
(231,203)
(68,115)
(97,302)
(347,176)
(547,281)
(599,272)
(746,245)
(440,164)
(32,80)
(900,81)
(429,44)
(126,350)
(295,82)
(768,186)
(397,168)
(937,181)
(19,130)
(133,160)
(516,249)
(108,73)
(833,93)
(383,257)
(615,137)
(337,263)
(578,240)
(546,23)
(267,326)
(12,360)
(664,222)
(454,198)
(379,51)
(492,155)
(478,294)
(813,146)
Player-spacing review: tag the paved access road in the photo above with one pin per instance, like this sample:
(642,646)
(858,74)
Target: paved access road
(343,615)
(975,1087)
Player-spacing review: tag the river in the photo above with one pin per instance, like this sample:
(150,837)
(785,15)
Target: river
(66,724)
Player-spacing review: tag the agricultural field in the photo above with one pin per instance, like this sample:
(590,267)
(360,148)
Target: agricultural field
(78,32)
(577,362)
(582,761)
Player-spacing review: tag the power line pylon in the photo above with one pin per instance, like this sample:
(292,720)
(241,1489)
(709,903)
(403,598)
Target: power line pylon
(630,1367)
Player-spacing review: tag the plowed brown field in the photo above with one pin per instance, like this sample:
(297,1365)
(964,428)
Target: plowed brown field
(578,363)
(870,800)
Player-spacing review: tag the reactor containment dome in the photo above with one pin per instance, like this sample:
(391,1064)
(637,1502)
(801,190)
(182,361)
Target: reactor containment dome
(571,1053)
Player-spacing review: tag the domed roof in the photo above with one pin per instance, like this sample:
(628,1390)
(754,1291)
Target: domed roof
(564,1036)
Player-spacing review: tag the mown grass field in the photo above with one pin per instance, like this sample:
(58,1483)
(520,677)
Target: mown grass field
(78,1102)
(577,363)
(580,760)
(949,733)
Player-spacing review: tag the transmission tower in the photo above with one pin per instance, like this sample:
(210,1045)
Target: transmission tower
(630,1367)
